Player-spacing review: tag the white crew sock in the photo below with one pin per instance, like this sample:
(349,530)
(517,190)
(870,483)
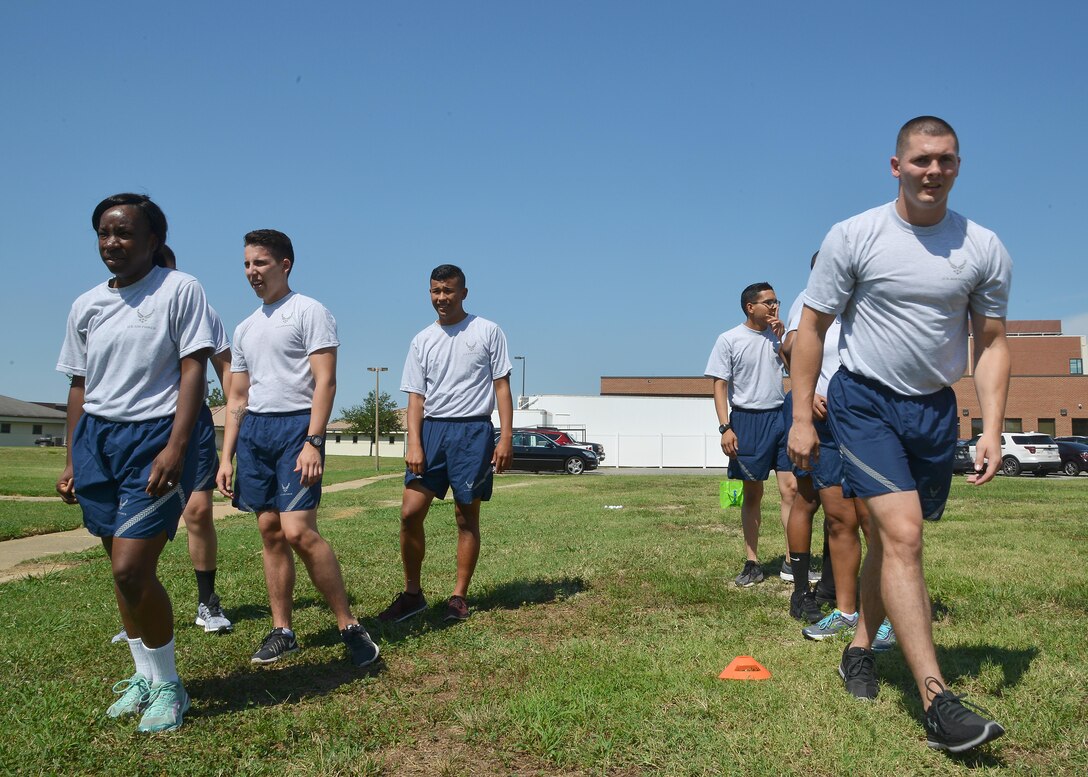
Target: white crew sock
(139,655)
(163,668)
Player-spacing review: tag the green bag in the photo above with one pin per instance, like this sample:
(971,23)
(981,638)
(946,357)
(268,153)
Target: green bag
(731,493)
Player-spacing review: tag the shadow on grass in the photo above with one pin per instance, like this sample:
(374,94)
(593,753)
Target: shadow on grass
(256,612)
(508,596)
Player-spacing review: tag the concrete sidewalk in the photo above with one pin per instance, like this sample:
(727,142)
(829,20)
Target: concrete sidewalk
(14,554)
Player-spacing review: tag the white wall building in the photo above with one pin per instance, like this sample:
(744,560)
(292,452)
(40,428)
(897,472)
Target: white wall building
(22,423)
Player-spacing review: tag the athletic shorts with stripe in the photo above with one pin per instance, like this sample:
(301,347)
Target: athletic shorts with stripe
(761,444)
(111,463)
(457,453)
(207,456)
(828,470)
(269,445)
(893,443)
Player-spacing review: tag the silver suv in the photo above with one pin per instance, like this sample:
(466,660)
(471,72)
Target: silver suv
(1027,452)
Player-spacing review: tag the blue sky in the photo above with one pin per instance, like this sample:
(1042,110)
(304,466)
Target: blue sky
(610,175)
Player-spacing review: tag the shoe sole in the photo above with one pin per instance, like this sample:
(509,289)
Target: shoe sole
(787,577)
(377,653)
(820,637)
(991,732)
(287,652)
(406,615)
(451,617)
(749,584)
(221,630)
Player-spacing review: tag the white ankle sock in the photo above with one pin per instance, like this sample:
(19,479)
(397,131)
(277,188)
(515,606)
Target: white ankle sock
(163,667)
(849,617)
(139,655)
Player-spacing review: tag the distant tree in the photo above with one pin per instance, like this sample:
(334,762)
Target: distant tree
(216,398)
(361,417)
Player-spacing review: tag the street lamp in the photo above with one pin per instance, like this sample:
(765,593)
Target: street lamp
(521,398)
(377,403)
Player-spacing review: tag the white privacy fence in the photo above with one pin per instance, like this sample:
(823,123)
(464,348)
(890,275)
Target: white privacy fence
(662,450)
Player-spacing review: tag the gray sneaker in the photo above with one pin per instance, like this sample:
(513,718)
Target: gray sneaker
(786,573)
(211,617)
(829,626)
(751,574)
(885,637)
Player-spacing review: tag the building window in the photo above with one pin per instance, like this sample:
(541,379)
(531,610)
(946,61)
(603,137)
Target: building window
(976,427)
(5,428)
(36,429)
(1014,424)
(1076,366)
(1047,426)
(1080,427)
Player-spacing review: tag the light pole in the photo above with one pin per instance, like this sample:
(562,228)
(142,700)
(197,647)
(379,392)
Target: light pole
(377,404)
(522,396)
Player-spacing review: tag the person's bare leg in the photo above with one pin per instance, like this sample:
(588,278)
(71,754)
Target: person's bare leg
(468,544)
(842,527)
(414,505)
(203,543)
(804,507)
(300,531)
(279,568)
(896,519)
(750,517)
(787,490)
(141,599)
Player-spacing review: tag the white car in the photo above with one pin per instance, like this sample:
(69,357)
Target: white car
(1027,452)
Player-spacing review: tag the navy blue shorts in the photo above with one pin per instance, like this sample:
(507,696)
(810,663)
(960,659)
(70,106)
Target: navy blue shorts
(268,448)
(111,461)
(828,470)
(457,453)
(893,443)
(207,465)
(761,444)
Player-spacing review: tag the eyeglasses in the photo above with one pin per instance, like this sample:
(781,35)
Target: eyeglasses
(771,303)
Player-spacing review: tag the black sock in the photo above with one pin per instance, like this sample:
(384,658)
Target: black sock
(205,585)
(827,575)
(800,563)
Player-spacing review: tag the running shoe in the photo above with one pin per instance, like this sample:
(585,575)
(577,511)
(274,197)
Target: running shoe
(403,607)
(166,706)
(361,648)
(885,637)
(825,594)
(750,575)
(804,608)
(275,646)
(951,726)
(133,692)
(832,624)
(456,609)
(211,617)
(121,636)
(858,672)
(787,573)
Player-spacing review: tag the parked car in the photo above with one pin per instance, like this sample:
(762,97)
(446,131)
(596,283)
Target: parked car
(1074,457)
(535,451)
(1026,452)
(49,442)
(1074,438)
(965,459)
(565,438)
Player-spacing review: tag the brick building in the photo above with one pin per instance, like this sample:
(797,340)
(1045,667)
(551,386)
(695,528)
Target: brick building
(1048,392)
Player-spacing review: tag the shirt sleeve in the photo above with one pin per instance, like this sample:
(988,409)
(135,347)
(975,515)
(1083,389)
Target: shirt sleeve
(319,329)
(194,330)
(794,319)
(831,282)
(413,380)
(720,364)
(237,354)
(500,361)
(73,352)
(991,296)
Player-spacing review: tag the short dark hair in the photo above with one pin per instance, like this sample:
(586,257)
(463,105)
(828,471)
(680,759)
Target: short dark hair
(444,272)
(277,243)
(812,262)
(750,293)
(156,219)
(924,125)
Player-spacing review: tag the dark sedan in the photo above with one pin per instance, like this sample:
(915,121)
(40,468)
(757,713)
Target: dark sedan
(964,461)
(1074,457)
(535,452)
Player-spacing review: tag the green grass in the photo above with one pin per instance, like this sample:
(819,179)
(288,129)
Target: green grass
(30,471)
(24,519)
(594,648)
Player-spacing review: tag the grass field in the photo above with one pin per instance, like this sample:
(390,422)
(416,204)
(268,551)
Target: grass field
(594,648)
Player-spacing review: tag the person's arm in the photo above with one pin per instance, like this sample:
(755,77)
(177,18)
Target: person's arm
(413,456)
(992,369)
(721,407)
(237,403)
(787,348)
(504,450)
(323,366)
(167,466)
(66,485)
(221,365)
(807,358)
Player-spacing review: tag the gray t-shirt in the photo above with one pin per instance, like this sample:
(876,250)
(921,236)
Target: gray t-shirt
(904,293)
(128,344)
(274,346)
(831,362)
(219,332)
(749,361)
(455,368)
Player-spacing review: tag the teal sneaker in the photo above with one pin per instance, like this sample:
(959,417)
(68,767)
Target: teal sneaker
(885,637)
(133,692)
(831,625)
(167,703)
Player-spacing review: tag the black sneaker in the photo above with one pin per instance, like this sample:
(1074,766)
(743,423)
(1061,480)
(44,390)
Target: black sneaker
(456,609)
(403,607)
(951,726)
(804,608)
(858,672)
(750,575)
(361,648)
(276,645)
(824,594)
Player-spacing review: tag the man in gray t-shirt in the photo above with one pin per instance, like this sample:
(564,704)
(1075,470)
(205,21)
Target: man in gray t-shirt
(906,278)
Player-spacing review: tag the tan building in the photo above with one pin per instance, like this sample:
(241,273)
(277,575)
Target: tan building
(24,424)
(1048,392)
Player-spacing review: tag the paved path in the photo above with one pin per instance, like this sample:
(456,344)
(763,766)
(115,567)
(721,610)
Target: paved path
(14,553)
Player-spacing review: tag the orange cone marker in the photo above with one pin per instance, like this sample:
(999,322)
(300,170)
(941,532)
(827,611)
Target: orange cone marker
(745,668)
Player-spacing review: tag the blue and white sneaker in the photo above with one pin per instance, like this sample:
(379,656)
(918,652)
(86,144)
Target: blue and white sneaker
(167,704)
(885,637)
(134,693)
(832,624)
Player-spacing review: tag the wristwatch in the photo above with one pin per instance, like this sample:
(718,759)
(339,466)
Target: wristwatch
(316,440)
(724,428)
